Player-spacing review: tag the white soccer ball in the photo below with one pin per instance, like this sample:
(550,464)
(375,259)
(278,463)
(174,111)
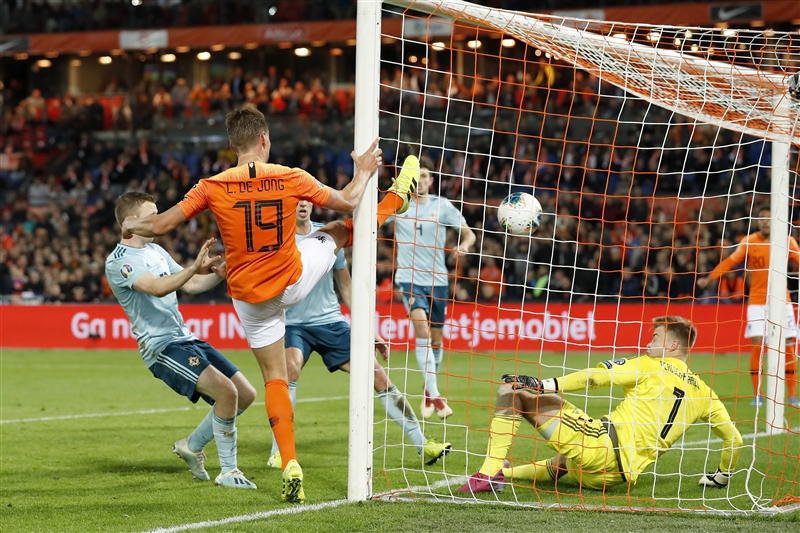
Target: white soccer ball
(520,213)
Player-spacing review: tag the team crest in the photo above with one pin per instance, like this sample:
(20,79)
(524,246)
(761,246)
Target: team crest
(322,239)
(194,361)
(126,271)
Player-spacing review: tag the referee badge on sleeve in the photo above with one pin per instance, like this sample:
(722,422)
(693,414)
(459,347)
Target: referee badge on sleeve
(126,271)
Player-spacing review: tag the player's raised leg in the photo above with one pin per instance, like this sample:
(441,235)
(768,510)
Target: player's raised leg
(396,201)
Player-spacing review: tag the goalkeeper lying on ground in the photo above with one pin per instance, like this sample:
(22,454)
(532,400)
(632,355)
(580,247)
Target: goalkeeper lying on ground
(662,399)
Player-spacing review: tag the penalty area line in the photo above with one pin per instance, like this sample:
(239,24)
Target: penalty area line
(146,411)
(248,517)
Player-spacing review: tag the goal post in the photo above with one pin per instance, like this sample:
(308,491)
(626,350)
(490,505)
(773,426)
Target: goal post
(650,148)
(362,340)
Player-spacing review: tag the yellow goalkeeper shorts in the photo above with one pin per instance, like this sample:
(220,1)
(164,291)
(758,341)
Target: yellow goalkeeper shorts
(592,459)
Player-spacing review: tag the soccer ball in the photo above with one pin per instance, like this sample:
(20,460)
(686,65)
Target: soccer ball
(520,213)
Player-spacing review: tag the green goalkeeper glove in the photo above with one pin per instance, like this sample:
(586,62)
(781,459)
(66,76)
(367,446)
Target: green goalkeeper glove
(718,479)
(524,382)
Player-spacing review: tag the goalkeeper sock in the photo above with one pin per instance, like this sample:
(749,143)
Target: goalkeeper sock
(501,434)
(538,471)
(389,206)
(293,397)
(428,367)
(397,408)
(755,366)
(281,417)
(225,437)
(202,434)
(438,353)
(791,370)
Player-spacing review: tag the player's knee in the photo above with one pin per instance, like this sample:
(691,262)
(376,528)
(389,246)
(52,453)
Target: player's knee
(293,369)
(338,230)
(505,395)
(247,394)
(227,392)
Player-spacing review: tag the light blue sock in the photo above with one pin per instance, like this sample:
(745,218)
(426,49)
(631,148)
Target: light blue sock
(225,437)
(438,353)
(293,397)
(428,367)
(398,409)
(202,434)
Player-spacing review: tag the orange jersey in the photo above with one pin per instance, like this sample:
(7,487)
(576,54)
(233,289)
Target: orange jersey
(255,205)
(753,250)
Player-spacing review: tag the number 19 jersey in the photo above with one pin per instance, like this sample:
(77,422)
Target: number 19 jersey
(254,205)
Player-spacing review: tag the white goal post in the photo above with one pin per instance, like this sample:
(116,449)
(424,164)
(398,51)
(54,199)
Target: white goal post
(718,92)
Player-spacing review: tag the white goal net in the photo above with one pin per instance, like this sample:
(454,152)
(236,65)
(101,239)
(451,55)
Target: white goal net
(660,155)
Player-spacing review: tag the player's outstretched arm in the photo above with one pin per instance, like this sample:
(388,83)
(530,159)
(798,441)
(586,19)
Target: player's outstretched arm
(346,200)
(153,225)
(724,428)
(200,283)
(608,373)
(160,287)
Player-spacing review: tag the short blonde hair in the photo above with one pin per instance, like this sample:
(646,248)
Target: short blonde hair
(679,328)
(244,127)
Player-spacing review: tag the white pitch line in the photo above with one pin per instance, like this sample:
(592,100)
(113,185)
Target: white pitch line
(145,411)
(248,517)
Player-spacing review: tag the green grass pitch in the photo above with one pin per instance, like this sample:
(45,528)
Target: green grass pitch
(86,436)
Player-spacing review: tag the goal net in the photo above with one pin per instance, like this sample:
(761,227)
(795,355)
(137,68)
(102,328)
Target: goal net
(654,150)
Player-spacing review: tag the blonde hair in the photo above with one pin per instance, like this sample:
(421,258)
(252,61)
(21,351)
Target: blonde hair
(679,328)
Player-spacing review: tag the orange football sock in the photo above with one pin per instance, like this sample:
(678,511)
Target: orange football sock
(755,365)
(389,206)
(348,223)
(281,417)
(791,371)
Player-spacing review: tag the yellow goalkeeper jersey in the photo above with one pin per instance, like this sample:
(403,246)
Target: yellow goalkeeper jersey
(662,399)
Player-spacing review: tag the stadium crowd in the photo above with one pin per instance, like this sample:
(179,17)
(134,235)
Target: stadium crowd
(619,181)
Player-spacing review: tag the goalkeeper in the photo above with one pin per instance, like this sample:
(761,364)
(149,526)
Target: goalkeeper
(662,399)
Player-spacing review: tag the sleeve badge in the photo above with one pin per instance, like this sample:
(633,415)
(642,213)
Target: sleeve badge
(126,271)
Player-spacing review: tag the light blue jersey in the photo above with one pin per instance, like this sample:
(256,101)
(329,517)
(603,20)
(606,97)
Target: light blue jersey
(421,234)
(156,321)
(321,305)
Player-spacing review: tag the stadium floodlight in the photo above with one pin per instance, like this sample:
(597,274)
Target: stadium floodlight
(651,164)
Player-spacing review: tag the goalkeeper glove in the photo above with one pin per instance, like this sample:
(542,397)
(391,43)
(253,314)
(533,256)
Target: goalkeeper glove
(718,479)
(524,382)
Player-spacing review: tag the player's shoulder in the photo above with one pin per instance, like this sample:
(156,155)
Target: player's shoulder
(619,362)
(122,253)
(153,248)
(275,170)
(316,225)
